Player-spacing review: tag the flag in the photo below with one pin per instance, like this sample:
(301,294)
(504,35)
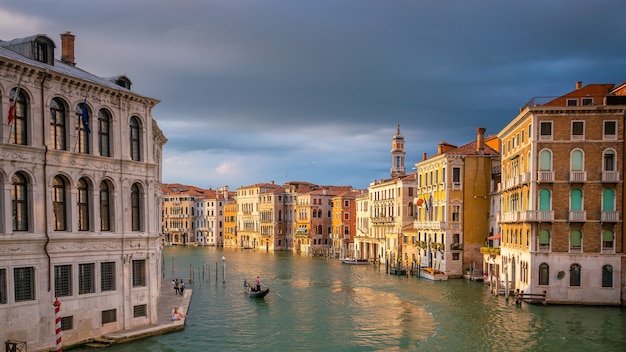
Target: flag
(11,112)
(13,101)
(85,118)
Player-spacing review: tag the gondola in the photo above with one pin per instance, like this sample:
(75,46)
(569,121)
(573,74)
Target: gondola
(248,289)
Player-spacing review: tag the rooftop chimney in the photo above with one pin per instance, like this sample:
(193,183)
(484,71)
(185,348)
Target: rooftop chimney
(579,84)
(440,148)
(480,139)
(424,156)
(67,48)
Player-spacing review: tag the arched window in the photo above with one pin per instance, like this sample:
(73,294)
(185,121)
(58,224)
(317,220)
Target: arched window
(609,161)
(18,134)
(574,275)
(58,203)
(104,137)
(607,276)
(608,200)
(545,160)
(576,160)
(576,200)
(135,139)
(544,239)
(19,200)
(544,199)
(58,114)
(575,240)
(544,274)
(83,205)
(82,133)
(135,201)
(105,206)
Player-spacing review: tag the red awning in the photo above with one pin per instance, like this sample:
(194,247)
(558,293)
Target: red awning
(494,237)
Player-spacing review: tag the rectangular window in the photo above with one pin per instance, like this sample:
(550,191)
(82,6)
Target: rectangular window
(346,216)
(109,316)
(456,174)
(546,129)
(24,279)
(578,130)
(140,311)
(610,129)
(67,323)
(139,273)
(107,276)
(62,280)
(572,102)
(3,286)
(587,101)
(86,278)
(456,213)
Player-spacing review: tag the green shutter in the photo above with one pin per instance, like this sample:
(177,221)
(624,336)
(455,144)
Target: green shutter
(545,160)
(577,160)
(608,200)
(575,238)
(544,237)
(576,201)
(607,236)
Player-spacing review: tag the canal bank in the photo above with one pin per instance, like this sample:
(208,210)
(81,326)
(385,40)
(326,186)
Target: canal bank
(168,299)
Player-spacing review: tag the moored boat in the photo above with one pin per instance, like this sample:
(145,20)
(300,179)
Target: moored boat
(354,261)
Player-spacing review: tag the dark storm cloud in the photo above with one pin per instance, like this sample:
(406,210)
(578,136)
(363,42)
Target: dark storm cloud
(312,90)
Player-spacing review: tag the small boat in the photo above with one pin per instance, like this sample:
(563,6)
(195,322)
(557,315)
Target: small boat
(252,292)
(354,261)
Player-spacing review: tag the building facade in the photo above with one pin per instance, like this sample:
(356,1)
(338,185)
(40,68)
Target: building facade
(562,197)
(80,163)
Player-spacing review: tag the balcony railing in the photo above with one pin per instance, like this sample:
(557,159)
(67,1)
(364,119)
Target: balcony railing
(577,215)
(578,176)
(610,176)
(545,176)
(609,216)
(490,250)
(430,225)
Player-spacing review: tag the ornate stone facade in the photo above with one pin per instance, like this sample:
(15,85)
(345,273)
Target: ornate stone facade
(80,168)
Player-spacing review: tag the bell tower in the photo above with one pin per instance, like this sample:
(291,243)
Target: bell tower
(397,155)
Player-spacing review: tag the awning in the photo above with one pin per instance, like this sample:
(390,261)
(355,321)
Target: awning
(494,237)
(514,157)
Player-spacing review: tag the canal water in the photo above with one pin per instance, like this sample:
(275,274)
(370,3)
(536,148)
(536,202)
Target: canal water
(318,304)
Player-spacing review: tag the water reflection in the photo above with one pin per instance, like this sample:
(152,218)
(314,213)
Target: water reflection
(318,304)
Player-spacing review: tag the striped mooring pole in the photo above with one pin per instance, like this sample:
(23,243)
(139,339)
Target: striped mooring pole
(57,323)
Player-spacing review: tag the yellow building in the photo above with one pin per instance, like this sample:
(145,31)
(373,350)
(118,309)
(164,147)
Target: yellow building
(454,189)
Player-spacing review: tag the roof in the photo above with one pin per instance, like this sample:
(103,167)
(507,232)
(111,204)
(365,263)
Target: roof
(59,66)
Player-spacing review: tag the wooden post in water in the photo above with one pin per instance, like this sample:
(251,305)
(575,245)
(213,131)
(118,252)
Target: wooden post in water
(216,273)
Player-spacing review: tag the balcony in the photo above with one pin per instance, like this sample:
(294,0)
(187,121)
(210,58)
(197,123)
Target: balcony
(545,176)
(578,176)
(490,250)
(539,215)
(430,225)
(577,216)
(609,216)
(384,220)
(610,176)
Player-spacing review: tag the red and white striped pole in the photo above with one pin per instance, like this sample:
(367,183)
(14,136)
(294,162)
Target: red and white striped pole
(57,323)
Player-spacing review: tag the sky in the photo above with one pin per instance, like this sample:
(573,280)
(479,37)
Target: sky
(256,91)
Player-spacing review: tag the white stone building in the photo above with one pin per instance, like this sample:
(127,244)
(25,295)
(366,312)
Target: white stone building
(80,210)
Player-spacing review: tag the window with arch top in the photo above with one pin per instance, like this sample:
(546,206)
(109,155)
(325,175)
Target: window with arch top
(135,139)
(18,134)
(58,132)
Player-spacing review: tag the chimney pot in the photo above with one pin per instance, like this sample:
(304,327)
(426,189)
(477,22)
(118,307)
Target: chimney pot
(480,139)
(67,48)
(579,84)
(424,156)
